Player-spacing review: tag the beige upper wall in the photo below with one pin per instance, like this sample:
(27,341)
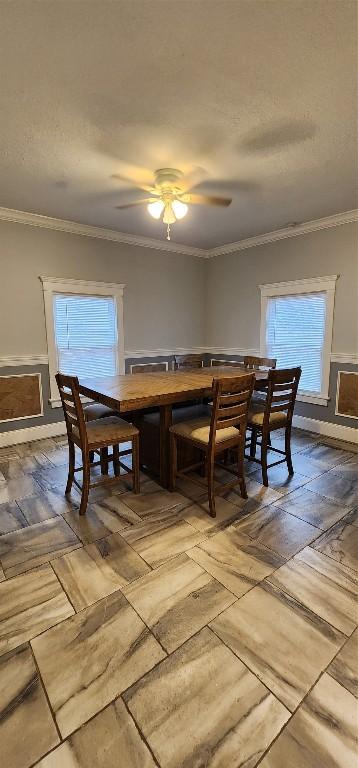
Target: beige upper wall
(163,298)
(233,294)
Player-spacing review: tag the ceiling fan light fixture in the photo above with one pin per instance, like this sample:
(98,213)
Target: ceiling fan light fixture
(168,215)
(156,209)
(180,209)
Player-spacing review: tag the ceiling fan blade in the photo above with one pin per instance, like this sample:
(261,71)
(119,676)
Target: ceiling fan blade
(134,183)
(137,202)
(206,200)
(192,179)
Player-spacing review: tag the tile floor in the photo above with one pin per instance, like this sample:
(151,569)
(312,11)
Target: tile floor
(148,634)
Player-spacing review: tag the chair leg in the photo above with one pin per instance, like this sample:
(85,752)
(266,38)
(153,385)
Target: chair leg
(85,483)
(241,471)
(104,461)
(264,458)
(210,472)
(116,467)
(173,462)
(288,449)
(253,443)
(136,464)
(71,466)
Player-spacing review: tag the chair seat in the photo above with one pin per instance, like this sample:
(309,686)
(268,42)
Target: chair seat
(199,430)
(97,411)
(109,431)
(256,418)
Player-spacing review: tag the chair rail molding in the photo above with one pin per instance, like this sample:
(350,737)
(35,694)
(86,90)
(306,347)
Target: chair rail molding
(103,233)
(20,360)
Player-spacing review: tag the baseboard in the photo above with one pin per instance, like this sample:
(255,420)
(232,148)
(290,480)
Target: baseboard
(27,435)
(349,434)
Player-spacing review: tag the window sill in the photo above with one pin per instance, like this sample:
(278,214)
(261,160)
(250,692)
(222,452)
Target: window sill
(312,398)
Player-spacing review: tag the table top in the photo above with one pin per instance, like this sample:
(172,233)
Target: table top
(130,392)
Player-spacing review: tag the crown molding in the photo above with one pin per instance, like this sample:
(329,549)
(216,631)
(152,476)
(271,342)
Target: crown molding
(102,233)
(336,220)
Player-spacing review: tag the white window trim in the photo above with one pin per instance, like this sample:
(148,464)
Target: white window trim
(325,284)
(55,285)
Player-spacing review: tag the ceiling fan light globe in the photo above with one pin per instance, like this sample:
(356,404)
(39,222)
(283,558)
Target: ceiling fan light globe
(156,209)
(180,209)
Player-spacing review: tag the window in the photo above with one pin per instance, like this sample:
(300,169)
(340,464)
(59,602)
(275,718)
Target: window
(296,328)
(84,323)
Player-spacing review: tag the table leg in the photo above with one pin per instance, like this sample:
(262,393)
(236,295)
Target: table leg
(165,422)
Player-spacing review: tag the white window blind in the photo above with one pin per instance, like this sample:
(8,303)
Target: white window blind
(295,334)
(86,335)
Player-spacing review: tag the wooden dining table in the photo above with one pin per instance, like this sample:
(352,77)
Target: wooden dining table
(128,393)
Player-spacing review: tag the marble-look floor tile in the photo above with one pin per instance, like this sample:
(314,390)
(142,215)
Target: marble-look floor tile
(314,509)
(258,497)
(161,537)
(153,498)
(322,734)
(11,490)
(280,480)
(326,587)
(335,486)
(2,575)
(304,466)
(276,529)
(202,707)
(344,667)
(27,730)
(51,477)
(35,447)
(110,740)
(340,543)
(101,519)
(281,641)
(177,599)
(29,604)
(11,518)
(14,468)
(198,516)
(42,507)
(235,560)
(349,469)
(352,517)
(327,456)
(95,571)
(22,550)
(90,659)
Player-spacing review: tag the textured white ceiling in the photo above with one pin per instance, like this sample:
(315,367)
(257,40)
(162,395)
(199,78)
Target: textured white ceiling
(261,94)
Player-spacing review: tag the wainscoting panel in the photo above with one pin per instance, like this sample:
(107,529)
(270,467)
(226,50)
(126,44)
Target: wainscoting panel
(347,394)
(20,396)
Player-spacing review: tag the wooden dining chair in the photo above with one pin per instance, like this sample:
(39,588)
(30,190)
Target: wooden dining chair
(275,412)
(183,362)
(232,363)
(213,435)
(93,436)
(149,367)
(256,363)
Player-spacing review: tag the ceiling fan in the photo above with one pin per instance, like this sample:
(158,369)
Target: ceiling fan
(170,196)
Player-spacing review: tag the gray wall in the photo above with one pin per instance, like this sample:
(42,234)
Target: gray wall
(163,299)
(233,296)
(172,300)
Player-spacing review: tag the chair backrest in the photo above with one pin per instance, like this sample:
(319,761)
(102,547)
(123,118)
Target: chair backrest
(255,363)
(281,392)
(231,400)
(187,361)
(148,367)
(232,363)
(72,408)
